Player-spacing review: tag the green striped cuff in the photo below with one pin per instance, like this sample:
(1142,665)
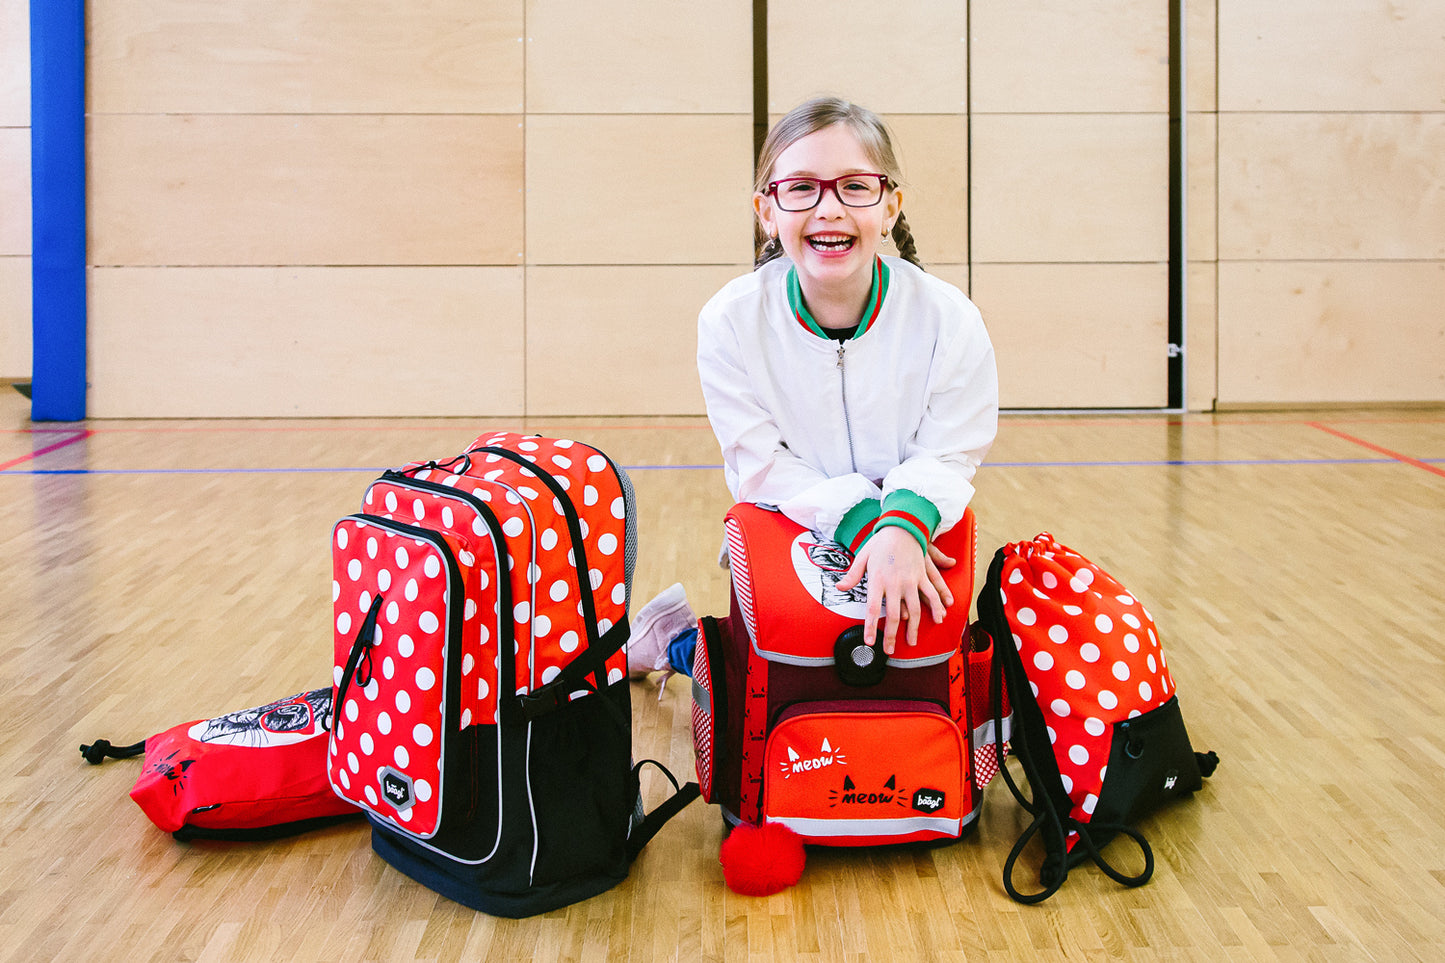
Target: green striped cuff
(911,512)
(857,524)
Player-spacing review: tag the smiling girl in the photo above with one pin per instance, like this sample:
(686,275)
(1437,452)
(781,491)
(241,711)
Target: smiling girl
(852,391)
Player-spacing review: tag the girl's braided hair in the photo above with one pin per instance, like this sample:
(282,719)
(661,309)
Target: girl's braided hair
(809,118)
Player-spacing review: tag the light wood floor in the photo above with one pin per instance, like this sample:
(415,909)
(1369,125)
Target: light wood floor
(156,572)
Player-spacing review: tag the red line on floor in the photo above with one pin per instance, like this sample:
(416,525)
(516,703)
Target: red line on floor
(1406,459)
(80,436)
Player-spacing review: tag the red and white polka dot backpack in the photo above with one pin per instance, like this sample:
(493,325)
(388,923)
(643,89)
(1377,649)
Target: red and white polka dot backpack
(483,713)
(1096,720)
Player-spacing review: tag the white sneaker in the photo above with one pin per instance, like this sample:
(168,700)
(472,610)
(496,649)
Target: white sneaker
(658,623)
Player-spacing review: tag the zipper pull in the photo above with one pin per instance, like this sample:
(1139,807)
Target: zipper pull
(840,354)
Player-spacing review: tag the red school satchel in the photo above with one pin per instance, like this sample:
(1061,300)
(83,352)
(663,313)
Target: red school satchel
(798,723)
(1097,726)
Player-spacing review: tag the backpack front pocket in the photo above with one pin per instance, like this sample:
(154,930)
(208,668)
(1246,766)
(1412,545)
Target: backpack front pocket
(398,591)
(851,773)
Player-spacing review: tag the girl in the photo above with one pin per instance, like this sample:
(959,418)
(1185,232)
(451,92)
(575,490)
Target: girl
(854,392)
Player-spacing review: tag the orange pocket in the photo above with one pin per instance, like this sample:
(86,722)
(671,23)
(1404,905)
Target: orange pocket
(858,774)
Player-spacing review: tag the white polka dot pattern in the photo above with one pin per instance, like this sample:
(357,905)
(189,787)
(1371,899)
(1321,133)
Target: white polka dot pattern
(545,590)
(392,697)
(1078,632)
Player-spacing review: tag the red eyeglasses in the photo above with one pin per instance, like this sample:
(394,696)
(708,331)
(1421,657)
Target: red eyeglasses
(852,190)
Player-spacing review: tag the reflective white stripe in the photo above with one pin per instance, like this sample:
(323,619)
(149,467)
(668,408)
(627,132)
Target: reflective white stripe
(983,735)
(810,662)
(824,828)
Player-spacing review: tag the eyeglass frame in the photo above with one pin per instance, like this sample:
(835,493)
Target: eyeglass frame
(825,185)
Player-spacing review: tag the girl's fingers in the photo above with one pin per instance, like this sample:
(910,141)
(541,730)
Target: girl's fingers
(915,616)
(854,575)
(941,596)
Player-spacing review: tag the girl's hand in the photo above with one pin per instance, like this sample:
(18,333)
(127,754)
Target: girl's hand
(901,580)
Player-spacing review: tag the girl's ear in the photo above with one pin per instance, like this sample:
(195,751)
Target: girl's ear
(763,208)
(893,205)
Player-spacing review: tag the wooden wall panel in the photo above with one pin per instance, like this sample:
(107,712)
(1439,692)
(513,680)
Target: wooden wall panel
(1201,354)
(242,190)
(638,56)
(1201,55)
(1331,220)
(1202,184)
(15,339)
(1070,187)
(1310,332)
(1077,335)
(1069,181)
(1325,186)
(646,189)
(277,342)
(14,191)
(1037,56)
(1356,56)
(617,339)
(933,153)
(905,57)
(321,56)
(14,63)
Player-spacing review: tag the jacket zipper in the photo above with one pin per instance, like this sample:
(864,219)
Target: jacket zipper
(847,421)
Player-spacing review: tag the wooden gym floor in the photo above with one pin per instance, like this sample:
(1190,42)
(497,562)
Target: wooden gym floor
(156,572)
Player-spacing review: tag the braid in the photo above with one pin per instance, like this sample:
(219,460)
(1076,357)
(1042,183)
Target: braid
(903,237)
(768,249)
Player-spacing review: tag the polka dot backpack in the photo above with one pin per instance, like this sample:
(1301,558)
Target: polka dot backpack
(483,718)
(1096,722)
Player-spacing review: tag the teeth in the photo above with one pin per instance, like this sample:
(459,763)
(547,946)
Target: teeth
(831,242)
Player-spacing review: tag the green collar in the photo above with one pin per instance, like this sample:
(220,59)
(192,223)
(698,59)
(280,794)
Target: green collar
(876,294)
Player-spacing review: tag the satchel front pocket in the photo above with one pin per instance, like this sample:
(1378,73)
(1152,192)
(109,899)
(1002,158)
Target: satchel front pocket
(862,773)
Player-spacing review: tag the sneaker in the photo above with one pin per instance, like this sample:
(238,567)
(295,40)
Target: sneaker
(658,623)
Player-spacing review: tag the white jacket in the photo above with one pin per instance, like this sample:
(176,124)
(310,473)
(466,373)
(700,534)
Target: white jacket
(815,428)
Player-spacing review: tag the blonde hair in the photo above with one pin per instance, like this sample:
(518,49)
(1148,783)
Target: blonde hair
(810,117)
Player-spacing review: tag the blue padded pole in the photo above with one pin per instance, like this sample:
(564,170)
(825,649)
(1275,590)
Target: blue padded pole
(57,172)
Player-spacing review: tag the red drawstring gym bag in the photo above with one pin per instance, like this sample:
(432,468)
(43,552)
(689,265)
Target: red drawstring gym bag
(1097,726)
(254,774)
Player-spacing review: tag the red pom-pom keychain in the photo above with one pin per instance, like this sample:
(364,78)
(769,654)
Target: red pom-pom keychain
(762,860)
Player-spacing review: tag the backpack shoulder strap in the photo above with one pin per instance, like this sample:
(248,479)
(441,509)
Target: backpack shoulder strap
(646,825)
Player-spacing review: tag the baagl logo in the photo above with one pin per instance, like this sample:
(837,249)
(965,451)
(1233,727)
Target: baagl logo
(796,763)
(928,800)
(396,788)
